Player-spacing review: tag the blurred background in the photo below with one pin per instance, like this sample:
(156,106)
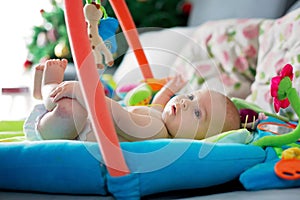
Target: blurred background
(33,31)
(17,19)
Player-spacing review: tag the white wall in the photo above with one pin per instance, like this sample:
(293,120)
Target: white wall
(16,20)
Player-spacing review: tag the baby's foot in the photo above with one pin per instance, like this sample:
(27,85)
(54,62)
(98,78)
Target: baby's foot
(38,76)
(54,71)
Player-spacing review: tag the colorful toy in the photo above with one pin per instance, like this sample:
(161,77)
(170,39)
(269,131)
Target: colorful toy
(108,84)
(291,153)
(107,30)
(282,148)
(140,94)
(288,169)
(122,91)
(93,14)
(156,84)
(283,94)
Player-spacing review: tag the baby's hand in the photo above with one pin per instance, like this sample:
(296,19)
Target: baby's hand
(176,83)
(67,89)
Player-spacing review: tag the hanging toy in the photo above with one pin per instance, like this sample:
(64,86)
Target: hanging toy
(93,14)
(140,93)
(107,30)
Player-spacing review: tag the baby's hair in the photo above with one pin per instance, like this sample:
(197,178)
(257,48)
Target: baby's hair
(232,116)
(224,117)
(232,121)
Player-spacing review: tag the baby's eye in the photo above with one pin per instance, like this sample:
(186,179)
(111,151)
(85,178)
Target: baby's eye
(191,97)
(197,113)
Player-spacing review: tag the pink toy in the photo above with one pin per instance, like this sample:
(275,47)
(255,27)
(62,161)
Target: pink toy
(123,90)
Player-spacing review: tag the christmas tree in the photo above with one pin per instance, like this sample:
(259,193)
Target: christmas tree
(49,40)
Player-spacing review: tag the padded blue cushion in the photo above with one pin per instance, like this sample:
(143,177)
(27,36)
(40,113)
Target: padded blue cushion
(52,166)
(262,176)
(165,164)
(161,165)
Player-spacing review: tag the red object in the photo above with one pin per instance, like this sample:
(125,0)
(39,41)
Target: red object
(93,90)
(27,64)
(186,8)
(288,169)
(287,71)
(15,90)
(131,35)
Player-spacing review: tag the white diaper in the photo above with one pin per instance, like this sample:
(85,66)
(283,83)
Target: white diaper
(32,121)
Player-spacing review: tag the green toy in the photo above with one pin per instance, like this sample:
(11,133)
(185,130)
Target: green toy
(141,95)
(283,95)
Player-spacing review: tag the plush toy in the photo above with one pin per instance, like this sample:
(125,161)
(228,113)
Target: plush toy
(93,14)
(283,94)
(107,30)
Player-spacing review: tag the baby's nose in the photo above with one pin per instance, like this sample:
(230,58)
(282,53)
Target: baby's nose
(183,104)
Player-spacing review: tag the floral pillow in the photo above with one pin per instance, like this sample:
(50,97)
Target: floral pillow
(222,55)
(279,44)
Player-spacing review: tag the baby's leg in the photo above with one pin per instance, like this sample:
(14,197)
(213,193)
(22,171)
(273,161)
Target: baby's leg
(52,76)
(38,77)
(65,121)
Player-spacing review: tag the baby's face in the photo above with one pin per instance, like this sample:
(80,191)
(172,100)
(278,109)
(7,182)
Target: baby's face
(190,116)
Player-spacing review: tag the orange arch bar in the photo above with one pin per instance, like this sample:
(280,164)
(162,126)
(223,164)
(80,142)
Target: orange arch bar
(129,29)
(93,90)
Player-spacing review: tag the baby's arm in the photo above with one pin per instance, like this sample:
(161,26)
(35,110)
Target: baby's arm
(132,126)
(136,126)
(167,91)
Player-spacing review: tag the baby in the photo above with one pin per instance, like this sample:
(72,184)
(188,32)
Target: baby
(198,115)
